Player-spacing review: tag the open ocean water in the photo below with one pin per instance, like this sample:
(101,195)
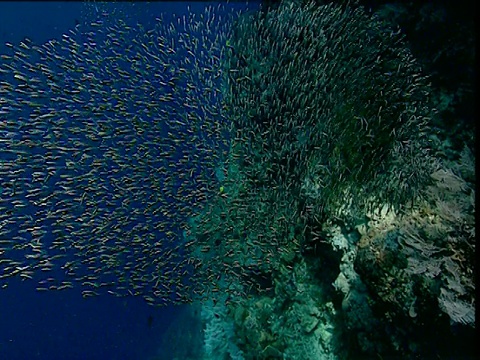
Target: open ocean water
(62,324)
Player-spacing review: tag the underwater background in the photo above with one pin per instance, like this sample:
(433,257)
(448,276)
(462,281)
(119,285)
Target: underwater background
(302,171)
(63,325)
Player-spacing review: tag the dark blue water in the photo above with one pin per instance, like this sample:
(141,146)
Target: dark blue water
(61,324)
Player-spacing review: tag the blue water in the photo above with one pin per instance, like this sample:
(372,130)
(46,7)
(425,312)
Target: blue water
(63,325)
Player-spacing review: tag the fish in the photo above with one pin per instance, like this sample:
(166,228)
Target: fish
(107,191)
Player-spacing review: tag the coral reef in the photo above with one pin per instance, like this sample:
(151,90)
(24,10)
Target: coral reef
(290,167)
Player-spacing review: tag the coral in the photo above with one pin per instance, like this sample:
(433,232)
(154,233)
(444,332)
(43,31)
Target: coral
(219,334)
(419,267)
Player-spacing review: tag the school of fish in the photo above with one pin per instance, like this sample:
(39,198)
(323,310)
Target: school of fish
(109,143)
(170,164)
